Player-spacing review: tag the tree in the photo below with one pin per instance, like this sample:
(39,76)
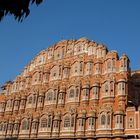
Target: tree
(18,8)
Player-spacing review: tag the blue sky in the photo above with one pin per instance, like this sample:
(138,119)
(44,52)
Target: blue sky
(115,23)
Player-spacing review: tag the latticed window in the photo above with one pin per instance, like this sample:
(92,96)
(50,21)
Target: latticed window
(109,64)
(49,122)
(10,126)
(81,122)
(4,127)
(49,96)
(54,95)
(113,63)
(131,122)
(43,123)
(16,103)
(108,119)
(71,94)
(16,126)
(9,103)
(67,122)
(34,125)
(25,125)
(86,92)
(77,92)
(1,127)
(40,99)
(95,90)
(55,124)
(106,87)
(91,121)
(61,96)
(103,119)
(72,121)
(34,99)
(30,100)
(81,66)
(111,86)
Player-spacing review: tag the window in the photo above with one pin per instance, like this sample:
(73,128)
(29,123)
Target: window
(103,119)
(16,126)
(4,127)
(30,100)
(54,95)
(10,126)
(34,99)
(22,102)
(77,92)
(9,103)
(113,63)
(81,122)
(49,96)
(1,127)
(108,119)
(106,87)
(81,66)
(131,122)
(121,88)
(76,69)
(72,121)
(71,94)
(49,122)
(40,99)
(109,64)
(16,103)
(25,125)
(34,125)
(91,121)
(60,96)
(43,123)
(55,124)
(118,121)
(46,76)
(111,87)
(95,90)
(86,92)
(67,122)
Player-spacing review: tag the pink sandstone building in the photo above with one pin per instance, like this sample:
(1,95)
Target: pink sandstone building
(74,89)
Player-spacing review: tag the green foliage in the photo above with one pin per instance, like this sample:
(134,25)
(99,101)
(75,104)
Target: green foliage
(18,8)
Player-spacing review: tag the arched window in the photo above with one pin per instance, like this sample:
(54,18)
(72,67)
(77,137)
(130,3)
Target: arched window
(103,119)
(43,123)
(67,122)
(25,125)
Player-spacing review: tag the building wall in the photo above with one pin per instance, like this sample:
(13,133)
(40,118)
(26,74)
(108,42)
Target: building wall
(73,89)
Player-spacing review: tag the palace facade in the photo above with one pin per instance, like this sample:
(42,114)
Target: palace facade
(75,89)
